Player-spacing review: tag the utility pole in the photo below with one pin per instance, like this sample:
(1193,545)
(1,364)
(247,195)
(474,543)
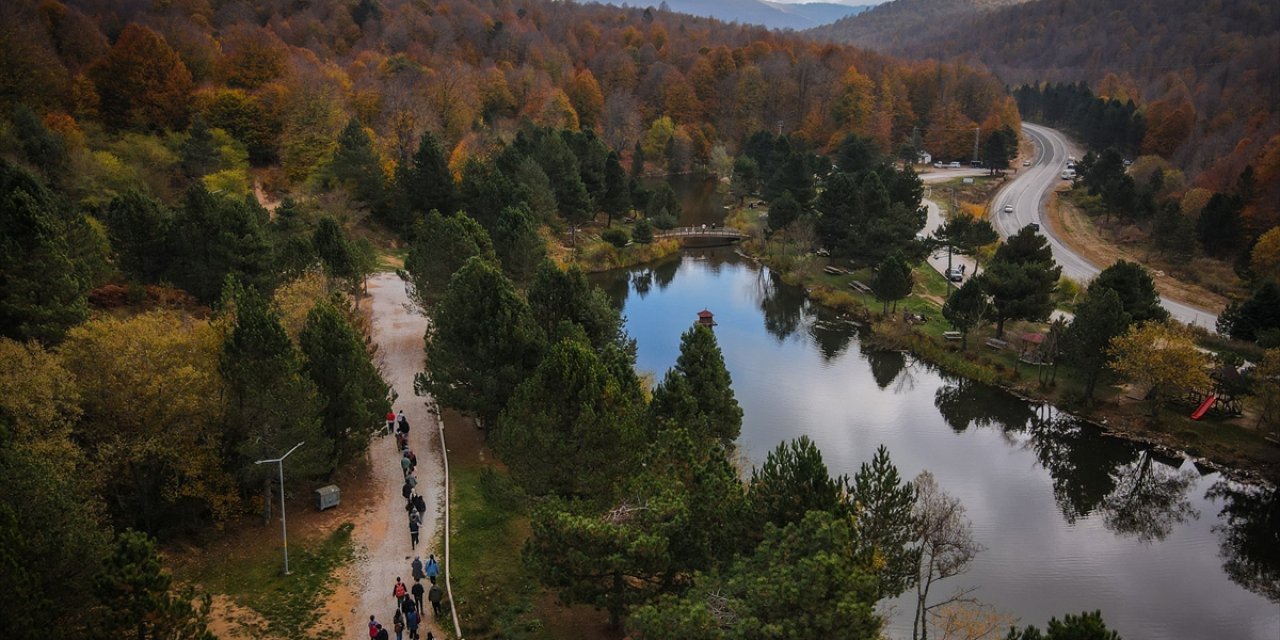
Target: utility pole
(976,132)
(284,526)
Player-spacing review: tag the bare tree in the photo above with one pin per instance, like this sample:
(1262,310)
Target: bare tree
(946,547)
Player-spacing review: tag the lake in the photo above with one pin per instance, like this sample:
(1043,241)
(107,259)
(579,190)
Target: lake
(1071,520)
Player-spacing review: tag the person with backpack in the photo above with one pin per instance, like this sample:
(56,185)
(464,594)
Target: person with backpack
(399,591)
(413,532)
(382,634)
(397,623)
(435,595)
(419,503)
(373,627)
(405,462)
(413,461)
(413,620)
(432,567)
(416,565)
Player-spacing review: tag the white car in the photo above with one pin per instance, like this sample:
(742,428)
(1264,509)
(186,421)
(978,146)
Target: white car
(1008,208)
(1026,163)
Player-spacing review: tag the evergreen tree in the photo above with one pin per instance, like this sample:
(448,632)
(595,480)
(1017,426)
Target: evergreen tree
(293,249)
(561,166)
(966,308)
(357,167)
(881,504)
(642,232)
(138,600)
(485,192)
(334,251)
(42,149)
(1136,289)
(663,201)
(41,293)
(697,393)
(482,343)
(533,181)
(570,429)
(783,211)
(213,237)
(517,243)
(795,177)
(816,586)
(200,155)
(425,184)
(1219,226)
(1021,280)
(1086,626)
(1255,319)
(557,296)
(1099,318)
(138,228)
(440,247)
(1174,233)
(617,193)
(353,395)
(637,160)
(271,404)
(892,281)
(792,482)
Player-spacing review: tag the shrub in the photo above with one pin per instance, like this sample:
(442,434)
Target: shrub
(616,237)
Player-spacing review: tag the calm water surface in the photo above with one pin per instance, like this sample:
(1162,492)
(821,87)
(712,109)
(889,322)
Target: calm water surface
(1071,520)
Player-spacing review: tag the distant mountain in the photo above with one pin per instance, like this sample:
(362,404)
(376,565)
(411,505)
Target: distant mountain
(775,15)
(886,26)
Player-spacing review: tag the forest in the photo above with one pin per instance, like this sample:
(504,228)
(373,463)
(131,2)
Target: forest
(1204,75)
(193,192)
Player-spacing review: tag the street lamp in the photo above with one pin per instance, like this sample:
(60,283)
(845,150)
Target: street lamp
(284,526)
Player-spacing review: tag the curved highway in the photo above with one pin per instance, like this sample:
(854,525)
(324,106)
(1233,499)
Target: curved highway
(1027,194)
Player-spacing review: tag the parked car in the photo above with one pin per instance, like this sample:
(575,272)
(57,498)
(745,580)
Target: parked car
(1026,163)
(954,165)
(956,273)
(1008,208)
(1035,226)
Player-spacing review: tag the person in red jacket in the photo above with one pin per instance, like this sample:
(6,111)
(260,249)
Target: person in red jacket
(391,422)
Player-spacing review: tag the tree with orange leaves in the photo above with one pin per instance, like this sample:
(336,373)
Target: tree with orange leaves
(142,82)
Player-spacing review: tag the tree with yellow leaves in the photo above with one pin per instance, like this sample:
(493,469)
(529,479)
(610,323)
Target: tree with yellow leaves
(1162,357)
(153,409)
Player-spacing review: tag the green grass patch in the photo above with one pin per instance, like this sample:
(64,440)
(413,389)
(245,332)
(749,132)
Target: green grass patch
(497,594)
(291,605)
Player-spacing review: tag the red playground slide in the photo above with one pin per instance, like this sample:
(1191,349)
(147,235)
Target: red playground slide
(1204,407)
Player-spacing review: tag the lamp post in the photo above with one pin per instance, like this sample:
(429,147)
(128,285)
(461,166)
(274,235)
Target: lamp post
(284,526)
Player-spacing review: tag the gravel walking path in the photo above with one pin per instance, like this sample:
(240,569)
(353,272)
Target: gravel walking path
(383,529)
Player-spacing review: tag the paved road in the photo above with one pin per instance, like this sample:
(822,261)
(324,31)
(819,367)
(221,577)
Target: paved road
(1027,194)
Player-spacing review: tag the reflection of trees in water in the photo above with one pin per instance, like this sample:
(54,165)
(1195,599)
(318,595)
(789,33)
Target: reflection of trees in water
(616,287)
(642,281)
(831,335)
(1249,534)
(885,365)
(783,308)
(963,402)
(1148,500)
(664,272)
(1079,462)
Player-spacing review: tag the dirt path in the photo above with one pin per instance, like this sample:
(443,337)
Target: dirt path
(382,531)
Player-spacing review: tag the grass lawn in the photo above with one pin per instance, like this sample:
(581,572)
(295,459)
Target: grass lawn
(290,606)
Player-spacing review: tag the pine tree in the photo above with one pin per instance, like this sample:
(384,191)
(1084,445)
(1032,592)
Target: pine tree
(482,343)
(892,281)
(138,228)
(138,600)
(1099,318)
(41,293)
(334,251)
(697,394)
(441,246)
(965,308)
(427,184)
(271,404)
(565,295)
(353,394)
(356,165)
(617,194)
(792,482)
(199,152)
(881,503)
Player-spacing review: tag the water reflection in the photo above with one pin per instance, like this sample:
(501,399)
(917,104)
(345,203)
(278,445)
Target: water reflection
(963,402)
(1249,534)
(885,365)
(783,307)
(1082,467)
(1149,498)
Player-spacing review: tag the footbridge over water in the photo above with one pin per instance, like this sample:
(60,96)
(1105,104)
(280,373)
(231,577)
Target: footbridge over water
(699,234)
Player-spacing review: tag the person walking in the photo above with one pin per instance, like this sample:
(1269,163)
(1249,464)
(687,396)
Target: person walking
(413,532)
(417,592)
(400,418)
(382,634)
(412,619)
(413,461)
(399,591)
(419,503)
(391,422)
(432,567)
(411,480)
(404,462)
(397,623)
(416,565)
(373,627)
(435,595)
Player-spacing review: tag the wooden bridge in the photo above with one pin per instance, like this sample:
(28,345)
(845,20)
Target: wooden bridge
(697,233)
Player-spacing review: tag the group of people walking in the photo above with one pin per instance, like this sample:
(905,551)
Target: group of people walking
(410,606)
